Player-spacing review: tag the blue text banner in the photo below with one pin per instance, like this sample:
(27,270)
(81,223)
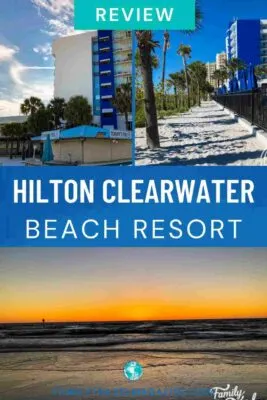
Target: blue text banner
(133,206)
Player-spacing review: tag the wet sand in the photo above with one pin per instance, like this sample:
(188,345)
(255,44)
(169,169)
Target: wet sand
(47,375)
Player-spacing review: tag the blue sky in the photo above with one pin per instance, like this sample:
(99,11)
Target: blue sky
(28,28)
(211,39)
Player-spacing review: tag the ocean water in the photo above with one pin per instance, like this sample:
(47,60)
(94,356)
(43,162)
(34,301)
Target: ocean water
(180,336)
(48,363)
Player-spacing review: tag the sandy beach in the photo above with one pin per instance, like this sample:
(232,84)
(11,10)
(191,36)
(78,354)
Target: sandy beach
(206,135)
(49,375)
(85,361)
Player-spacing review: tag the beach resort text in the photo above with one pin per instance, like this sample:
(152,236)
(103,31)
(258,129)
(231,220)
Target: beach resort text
(135,193)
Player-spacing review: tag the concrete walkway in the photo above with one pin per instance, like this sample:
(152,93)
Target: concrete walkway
(206,135)
(14,162)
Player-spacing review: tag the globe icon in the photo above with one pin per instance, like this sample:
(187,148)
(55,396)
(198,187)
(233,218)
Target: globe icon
(133,370)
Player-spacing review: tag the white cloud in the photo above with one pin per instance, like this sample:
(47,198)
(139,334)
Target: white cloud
(9,107)
(48,33)
(7,53)
(36,68)
(56,7)
(44,50)
(61,12)
(24,81)
(16,73)
(16,70)
(40,89)
(60,28)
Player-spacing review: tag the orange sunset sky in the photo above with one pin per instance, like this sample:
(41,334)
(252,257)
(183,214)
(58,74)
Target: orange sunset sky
(131,284)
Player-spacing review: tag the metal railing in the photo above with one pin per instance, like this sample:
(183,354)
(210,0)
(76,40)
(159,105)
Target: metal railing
(249,105)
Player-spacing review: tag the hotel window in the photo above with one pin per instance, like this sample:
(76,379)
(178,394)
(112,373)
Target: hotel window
(105,61)
(107,84)
(107,110)
(104,50)
(106,73)
(108,115)
(106,97)
(104,39)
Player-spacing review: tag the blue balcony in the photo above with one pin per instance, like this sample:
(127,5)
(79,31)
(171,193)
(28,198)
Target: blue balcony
(106,78)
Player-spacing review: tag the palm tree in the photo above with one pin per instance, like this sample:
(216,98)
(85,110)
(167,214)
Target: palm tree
(260,71)
(40,121)
(220,75)
(198,74)
(31,105)
(154,60)
(217,77)
(12,132)
(146,45)
(177,81)
(57,107)
(78,111)
(185,52)
(224,75)
(234,65)
(138,77)
(123,100)
(166,45)
(198,19)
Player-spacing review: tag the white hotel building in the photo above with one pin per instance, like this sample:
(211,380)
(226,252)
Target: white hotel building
(93,64)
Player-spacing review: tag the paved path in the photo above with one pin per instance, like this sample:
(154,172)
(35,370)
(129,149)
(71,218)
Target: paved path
(14,162)
(206,135)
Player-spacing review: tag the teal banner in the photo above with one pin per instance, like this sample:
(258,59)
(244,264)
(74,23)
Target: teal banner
(134,14)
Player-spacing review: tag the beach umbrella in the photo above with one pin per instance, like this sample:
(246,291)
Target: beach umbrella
(224,89)
(47,152)
(242,81)
(231,85)
(235,85)
(252,81)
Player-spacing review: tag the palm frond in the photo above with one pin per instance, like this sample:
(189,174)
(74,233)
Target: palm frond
(199,16)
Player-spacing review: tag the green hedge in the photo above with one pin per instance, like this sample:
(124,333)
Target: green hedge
(140,121)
